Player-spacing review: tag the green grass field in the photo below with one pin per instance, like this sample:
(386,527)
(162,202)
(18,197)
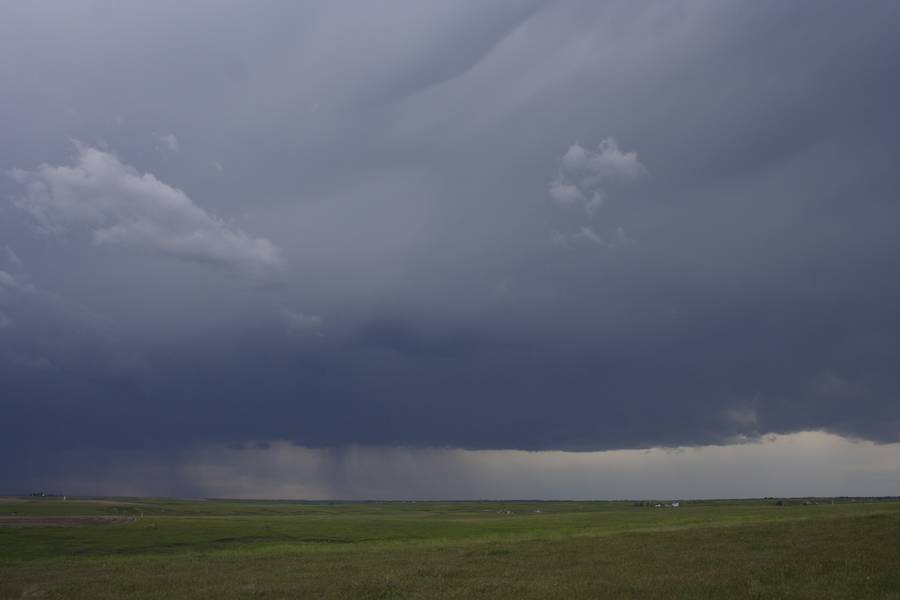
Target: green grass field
(232,549)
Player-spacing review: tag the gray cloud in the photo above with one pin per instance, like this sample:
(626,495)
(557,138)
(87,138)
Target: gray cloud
(410,161)
(301,324)
(13,259)
(167,143)
(819,464)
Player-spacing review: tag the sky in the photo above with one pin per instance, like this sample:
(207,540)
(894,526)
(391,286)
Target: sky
(470,249)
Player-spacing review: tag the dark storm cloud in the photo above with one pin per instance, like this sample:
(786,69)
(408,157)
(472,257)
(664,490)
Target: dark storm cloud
(447,275)
(820,464)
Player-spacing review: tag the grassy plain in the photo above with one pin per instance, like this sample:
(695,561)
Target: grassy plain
(236,549)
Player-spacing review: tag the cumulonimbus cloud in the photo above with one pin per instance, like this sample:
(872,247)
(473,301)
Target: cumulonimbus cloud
(120,206)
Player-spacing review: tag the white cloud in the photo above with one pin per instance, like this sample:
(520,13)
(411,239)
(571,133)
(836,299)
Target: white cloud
(301,324)
(582,171)
(746,417)
(586,236)
(593,206)
(9,281)
(13,259)
(605,163)
(122,207)
(575,158)
(565,194)
(167,143)
(578,184)
(40,362)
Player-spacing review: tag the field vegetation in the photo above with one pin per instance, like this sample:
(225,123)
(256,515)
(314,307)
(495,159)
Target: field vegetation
(167,549)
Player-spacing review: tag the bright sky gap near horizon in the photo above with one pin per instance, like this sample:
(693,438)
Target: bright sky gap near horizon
(540,249)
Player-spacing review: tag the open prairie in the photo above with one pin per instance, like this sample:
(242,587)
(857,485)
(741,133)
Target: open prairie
(147,548)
